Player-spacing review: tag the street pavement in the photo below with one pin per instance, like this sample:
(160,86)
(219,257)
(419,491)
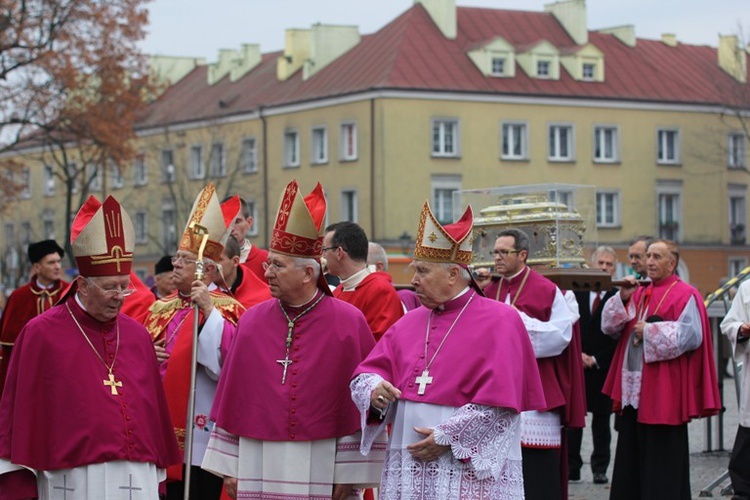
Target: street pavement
(708,459)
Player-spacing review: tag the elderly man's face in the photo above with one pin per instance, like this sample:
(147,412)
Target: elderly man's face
(283,276)
(637,256)
(606,262)
(432,283)
(103,295)
(184,270)
(660,262)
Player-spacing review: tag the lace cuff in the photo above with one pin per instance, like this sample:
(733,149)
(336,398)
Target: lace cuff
(361,388)
(483,434)
(615,316)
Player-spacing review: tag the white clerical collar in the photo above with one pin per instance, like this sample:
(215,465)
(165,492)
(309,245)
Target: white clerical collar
(350,283)
(43,287)
(80,304)
(462,292)
(298,306)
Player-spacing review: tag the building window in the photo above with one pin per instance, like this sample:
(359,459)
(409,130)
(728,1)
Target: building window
(736,265)
(445,137)
(498,66)
(348,142)
(670,215)
(169,228)
(115,173)
(515,141)
(349,203)
(319,140)
(167,166)
(196,167)
(291,148)
(668,150)
(443,188)
(49,180)
(10,235)
(563,197)
(217,161)
(253,231)
(736,150)
(606,144)
(249,156)
(140,174)
(560,142)
(608,209)
(94,177)
(24,183)
(48,224)
(737,216)
(25,233)
(140,225)
(588,71)
(543,69)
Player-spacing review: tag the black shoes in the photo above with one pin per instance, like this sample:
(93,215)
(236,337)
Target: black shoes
(574,476)
(600,478)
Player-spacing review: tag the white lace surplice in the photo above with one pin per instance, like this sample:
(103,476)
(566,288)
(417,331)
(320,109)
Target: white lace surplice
(485,458)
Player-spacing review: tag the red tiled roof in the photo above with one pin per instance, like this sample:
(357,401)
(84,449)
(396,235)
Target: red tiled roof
(410,53)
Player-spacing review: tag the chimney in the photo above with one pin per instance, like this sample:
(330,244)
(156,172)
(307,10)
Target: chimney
(249,58)
(297,46)
(732,57)
(328,43)
(443,14)
(573,17)
(669,39)
(219,69)
(626,34)
(171,70)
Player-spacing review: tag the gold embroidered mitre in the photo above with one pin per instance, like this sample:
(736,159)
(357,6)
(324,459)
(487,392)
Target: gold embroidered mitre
(449,243)
(208,217)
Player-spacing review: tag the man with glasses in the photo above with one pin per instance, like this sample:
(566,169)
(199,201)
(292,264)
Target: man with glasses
(84,413)
(549,320)
(171,322)
(284,391)
(41,292)
(345,248)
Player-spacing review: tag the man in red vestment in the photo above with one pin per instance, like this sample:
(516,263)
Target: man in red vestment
(251,256)
(550,322)
(345,249)
(83,414)
(662,376)
(235,280)
(171,322)
(28,301)
(284,391)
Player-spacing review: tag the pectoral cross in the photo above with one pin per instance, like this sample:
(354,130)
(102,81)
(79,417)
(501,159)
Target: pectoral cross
(423,381)
(285,363)
(112,383)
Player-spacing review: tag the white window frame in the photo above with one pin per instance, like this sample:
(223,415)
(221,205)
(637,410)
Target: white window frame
(349,208)
(512,134)
(25,233)
(599,153)
(588,66)
(140,226)
(737,216)
(441,196)
(116,175)
(563,196)
(24,183)
(348,147)
(140,172)
(253,231)
(93,172)
(72,170)
(169,227)
(736,150)
(168,168)
(249,155)
(544,68)
(196,165)
(501,69)
(48,224)
(445,137)
(662,210)
(291,148)
(319,145)
(554,133)
(10,235)
(49,180)
(217,160)
(666,137)
(735,264)
(613,200)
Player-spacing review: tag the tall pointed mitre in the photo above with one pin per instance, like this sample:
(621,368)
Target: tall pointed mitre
(449,243)
(102,237)
(206,217)
(298,230)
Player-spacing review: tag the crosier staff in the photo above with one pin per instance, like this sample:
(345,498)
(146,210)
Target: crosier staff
(202,232)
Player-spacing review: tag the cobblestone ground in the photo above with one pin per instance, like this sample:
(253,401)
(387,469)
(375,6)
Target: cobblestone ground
(707,462)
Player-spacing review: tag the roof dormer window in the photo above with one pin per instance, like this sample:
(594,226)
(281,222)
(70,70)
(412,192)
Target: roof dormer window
(498,66)
(543,69)
(588,71)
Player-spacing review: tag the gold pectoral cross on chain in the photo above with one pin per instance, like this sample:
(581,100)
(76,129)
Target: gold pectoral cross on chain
(423,380)
(286,361)
(112,383)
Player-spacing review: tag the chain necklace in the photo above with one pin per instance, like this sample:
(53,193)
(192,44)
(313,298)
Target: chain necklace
(111,382)
(520,287)
(424,380)
(642,313)
(290,324)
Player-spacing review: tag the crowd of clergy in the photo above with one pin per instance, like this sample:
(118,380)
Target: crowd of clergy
(243,373)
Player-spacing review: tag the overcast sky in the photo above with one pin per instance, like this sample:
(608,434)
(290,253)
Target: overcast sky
(199,28)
